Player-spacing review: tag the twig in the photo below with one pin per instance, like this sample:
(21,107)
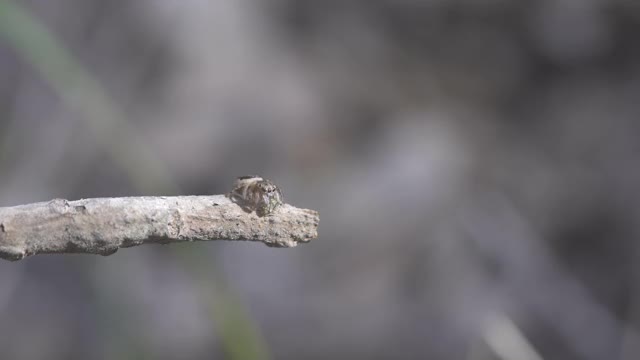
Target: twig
(103,225)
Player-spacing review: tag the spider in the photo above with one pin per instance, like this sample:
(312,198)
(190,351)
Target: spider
(253,193)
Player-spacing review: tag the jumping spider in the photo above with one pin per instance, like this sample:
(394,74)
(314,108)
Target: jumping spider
(253,193)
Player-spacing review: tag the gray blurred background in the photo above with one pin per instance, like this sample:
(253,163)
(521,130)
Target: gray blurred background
(474,163)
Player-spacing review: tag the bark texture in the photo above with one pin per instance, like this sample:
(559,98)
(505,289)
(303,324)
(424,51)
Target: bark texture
(103,225)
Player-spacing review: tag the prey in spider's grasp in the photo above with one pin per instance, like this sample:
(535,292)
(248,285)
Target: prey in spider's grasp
(253,193)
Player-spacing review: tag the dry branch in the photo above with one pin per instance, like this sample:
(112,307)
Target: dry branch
(102,226)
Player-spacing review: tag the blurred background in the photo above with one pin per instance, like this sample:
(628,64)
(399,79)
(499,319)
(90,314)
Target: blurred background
(474,163)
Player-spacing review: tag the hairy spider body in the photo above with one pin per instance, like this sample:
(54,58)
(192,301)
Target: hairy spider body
(253,193)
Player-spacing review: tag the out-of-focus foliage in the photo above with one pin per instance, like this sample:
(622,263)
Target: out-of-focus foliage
(473,162)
